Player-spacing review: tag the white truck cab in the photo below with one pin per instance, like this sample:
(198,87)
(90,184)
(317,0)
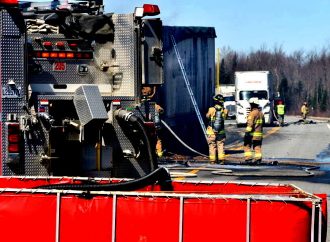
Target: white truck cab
(253,84)
(230,105)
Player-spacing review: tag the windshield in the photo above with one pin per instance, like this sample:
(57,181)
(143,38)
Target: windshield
(229,99)
(246,95)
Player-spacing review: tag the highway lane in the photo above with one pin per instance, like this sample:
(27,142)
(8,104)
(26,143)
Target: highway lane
(295,142)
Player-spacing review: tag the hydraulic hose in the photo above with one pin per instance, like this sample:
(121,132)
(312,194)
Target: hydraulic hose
(159,176)
(184,144)
(133,119)
(153,162)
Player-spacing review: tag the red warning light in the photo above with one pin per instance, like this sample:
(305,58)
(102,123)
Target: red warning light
(60,45)
(61,55)
(150,10)
(53,55)
(73,45)
(47,44)
(8,2)
(13,137)
(69,55)
(45,54)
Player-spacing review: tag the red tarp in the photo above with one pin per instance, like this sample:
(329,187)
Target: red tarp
(32,216)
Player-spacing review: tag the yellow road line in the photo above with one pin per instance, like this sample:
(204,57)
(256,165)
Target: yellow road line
(190,172)
(270,132)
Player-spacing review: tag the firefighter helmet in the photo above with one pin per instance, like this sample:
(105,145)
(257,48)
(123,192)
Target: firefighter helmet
(218,99)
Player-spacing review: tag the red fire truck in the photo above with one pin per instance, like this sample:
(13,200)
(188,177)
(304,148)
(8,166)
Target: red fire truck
(71,79)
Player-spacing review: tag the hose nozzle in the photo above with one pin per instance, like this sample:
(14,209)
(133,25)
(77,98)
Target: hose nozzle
(125,115)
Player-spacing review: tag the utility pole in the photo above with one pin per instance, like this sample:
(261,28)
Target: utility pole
(217,78)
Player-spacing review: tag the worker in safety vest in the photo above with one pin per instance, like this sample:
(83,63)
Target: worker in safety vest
(280,109)
(216,130)
(253,133)
(304,111)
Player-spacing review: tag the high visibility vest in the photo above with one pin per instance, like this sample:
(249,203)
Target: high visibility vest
(304,109)
(281,109)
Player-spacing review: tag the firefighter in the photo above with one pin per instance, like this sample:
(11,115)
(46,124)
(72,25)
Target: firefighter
(253,134)
(216,130)
(304,111)
(159,145)
(147,93)
(280,109)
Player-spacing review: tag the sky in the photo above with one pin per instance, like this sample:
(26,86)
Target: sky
(247,25)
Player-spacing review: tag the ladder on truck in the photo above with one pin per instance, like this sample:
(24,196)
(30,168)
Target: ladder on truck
(191,94)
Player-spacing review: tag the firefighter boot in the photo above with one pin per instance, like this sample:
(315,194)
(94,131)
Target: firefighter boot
(212,148)
(257,155)
(212,159)
(221,159)
(248,157)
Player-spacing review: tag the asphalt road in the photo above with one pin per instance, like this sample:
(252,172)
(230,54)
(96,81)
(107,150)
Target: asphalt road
(296,145)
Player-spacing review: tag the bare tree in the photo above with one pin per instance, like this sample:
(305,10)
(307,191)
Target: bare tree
(298,77)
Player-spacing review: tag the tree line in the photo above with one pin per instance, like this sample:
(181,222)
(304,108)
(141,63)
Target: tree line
(298,77)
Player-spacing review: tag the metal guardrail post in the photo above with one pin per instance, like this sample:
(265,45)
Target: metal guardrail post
(313,222)
(114,217)
(320,223)
(181,219)
(58,214)
(248,219)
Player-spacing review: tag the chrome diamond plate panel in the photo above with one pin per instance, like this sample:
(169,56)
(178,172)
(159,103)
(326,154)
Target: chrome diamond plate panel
(114,63)
(12,49)
(125,52)
(89,105)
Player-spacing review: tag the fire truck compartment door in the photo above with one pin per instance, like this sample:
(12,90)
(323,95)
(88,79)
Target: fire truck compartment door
(152,53)
(89,105)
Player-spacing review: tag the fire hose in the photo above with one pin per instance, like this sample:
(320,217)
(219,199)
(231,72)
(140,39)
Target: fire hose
(183,143)
(159,176)
(135,120)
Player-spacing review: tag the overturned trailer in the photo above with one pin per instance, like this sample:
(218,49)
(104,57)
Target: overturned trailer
(46,211)
(196,46)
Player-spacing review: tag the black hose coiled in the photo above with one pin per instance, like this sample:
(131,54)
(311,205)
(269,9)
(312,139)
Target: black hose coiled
(131,118)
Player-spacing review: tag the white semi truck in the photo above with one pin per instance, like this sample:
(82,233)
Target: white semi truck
(228,92)
(257,84)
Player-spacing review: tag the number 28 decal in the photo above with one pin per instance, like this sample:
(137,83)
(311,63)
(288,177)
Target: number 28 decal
(59,66)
